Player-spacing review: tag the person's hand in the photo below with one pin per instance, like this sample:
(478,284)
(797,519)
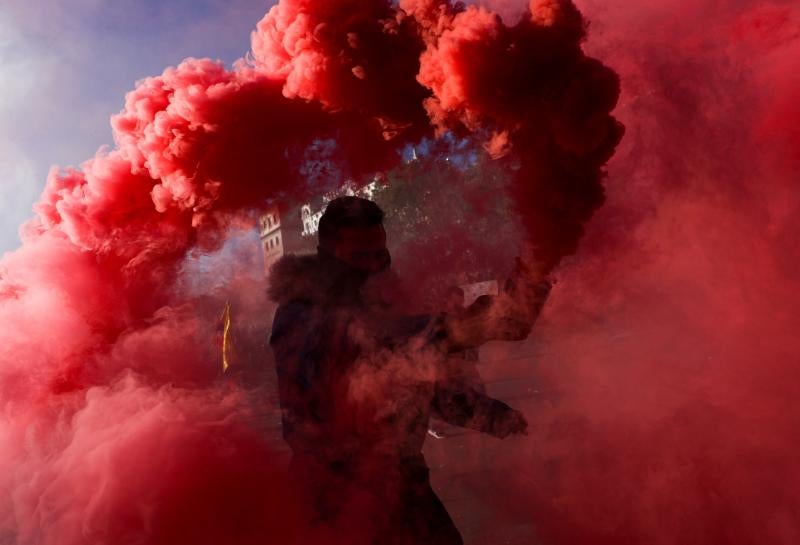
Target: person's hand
(507,316)
(510,422)
(489,318)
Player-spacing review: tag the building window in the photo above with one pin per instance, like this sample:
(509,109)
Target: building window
(277,241)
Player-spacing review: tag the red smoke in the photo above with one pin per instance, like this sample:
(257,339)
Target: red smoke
(114,425)
(667,348)
(667,353)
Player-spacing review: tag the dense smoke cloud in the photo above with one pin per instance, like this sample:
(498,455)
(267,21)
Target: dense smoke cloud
(665,357)
(115,426)
(667,354)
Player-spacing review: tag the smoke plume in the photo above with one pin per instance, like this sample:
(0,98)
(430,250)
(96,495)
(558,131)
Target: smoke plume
(666,357)
(664,363)
(115,425)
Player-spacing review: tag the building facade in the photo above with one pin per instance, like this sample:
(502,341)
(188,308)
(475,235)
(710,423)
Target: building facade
(271,237)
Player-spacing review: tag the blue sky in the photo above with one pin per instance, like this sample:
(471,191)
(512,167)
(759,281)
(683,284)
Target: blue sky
(65,66)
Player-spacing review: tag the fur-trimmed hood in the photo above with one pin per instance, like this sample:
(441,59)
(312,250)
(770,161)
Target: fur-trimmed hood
(314,278)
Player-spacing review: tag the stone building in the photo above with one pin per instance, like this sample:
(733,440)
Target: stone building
(271,237)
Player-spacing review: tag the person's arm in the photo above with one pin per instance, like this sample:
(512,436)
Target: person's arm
(508,316)
(459,403)
(305,340)
(489,318)
(292,342)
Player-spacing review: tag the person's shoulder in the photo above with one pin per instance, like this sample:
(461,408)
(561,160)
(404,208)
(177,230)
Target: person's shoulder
(296,278)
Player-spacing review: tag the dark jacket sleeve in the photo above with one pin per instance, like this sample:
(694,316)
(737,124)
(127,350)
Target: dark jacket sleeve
(394,331)
(461,400)
(309,345)
(297,368)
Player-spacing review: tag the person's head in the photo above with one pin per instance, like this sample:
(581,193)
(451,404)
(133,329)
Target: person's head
(351,230)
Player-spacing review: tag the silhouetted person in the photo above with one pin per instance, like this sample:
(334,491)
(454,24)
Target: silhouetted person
(355,398)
